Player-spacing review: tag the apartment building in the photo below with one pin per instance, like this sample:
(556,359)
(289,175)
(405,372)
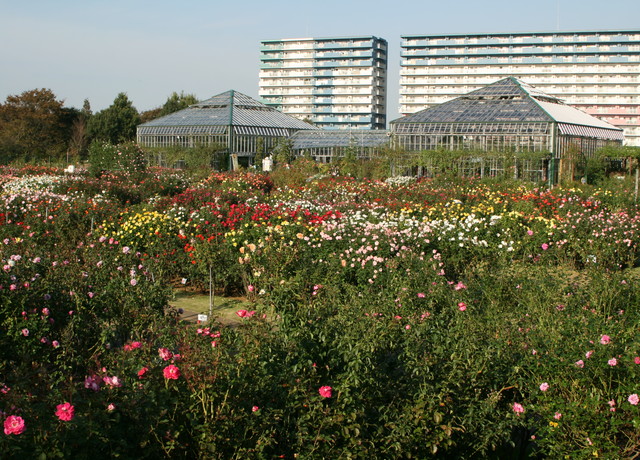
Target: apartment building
(335,83)
(595,71)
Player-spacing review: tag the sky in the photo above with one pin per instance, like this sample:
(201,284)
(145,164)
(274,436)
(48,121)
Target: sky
(90,49)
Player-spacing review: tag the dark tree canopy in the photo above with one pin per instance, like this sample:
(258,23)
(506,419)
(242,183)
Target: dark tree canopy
(117,123)
(177,102)
(34,126)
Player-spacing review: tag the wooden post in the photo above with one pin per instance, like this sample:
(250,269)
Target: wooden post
(637,177)
(210,292)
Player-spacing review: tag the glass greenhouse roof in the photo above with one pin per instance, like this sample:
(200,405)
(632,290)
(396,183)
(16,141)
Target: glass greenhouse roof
(507,100)
(339,138)
(230,108)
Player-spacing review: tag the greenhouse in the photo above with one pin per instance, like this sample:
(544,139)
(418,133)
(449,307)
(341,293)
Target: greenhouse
(513,125)
(232,120)
(324,146)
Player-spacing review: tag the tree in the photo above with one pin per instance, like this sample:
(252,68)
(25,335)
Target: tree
(34,126)
(177,102)
(283,151)
(117,123)
(79,138)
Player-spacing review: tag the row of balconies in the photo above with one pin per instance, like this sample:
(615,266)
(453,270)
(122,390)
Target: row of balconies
(523,69)
(291,73)
(322,55)
(428,41)
(320,64)
(563,92)
(486,77)
(270,45)
(416,86)
(313,82)
(329,91)
(464,60)
(568,99)
(302,101)
(519,50)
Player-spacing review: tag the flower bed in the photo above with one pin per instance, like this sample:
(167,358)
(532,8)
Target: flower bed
(389,319)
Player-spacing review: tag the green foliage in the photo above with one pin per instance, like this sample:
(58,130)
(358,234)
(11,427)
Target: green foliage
(128,158)
(115,124)
(197,160)
(282,152)
(177,102)
(404,319)
(34,126)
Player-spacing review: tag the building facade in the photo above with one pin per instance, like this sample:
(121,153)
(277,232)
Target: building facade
(597,72)
(335,83)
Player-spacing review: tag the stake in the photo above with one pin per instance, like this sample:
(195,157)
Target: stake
(210,292)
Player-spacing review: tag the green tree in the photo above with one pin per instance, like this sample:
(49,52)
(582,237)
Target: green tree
(79,138)
(177,102)
(283,151)
(34,126)
(115,124)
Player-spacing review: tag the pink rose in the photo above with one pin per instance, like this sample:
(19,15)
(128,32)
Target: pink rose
(518,409)
(612,362)
(325,391)
(605,339)
(165,354)
(142,372)
(255,409)
(580,363)
(636,360)
(544,246)
(14,424)
(557,415)
(633,399)
(171,372)
(462,306)
(544,386)
(65,412)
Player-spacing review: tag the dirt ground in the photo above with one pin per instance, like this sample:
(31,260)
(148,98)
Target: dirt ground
(194,304)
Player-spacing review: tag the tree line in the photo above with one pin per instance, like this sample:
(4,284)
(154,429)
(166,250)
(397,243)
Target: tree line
(36,127)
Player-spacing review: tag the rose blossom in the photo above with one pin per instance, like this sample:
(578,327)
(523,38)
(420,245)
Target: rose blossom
(142,372)
(165,354)
(171,372)
(14,424)
(612,362)
(325,391)
(605,339)
(580,363)
(518,409)
(634,399)
(65,412)
(544,386)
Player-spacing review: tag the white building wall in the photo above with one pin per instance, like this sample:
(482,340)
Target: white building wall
(337,83)
(598,72)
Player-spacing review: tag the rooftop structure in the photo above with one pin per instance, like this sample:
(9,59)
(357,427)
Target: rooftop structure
(336,83)
(507,116)
(595,71)
(230,119)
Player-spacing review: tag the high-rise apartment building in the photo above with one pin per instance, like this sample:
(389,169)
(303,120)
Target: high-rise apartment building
(597,72)
(335,83)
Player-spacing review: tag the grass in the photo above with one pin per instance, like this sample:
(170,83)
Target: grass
(194,303)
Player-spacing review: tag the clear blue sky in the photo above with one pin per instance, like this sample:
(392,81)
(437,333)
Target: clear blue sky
(89,49)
